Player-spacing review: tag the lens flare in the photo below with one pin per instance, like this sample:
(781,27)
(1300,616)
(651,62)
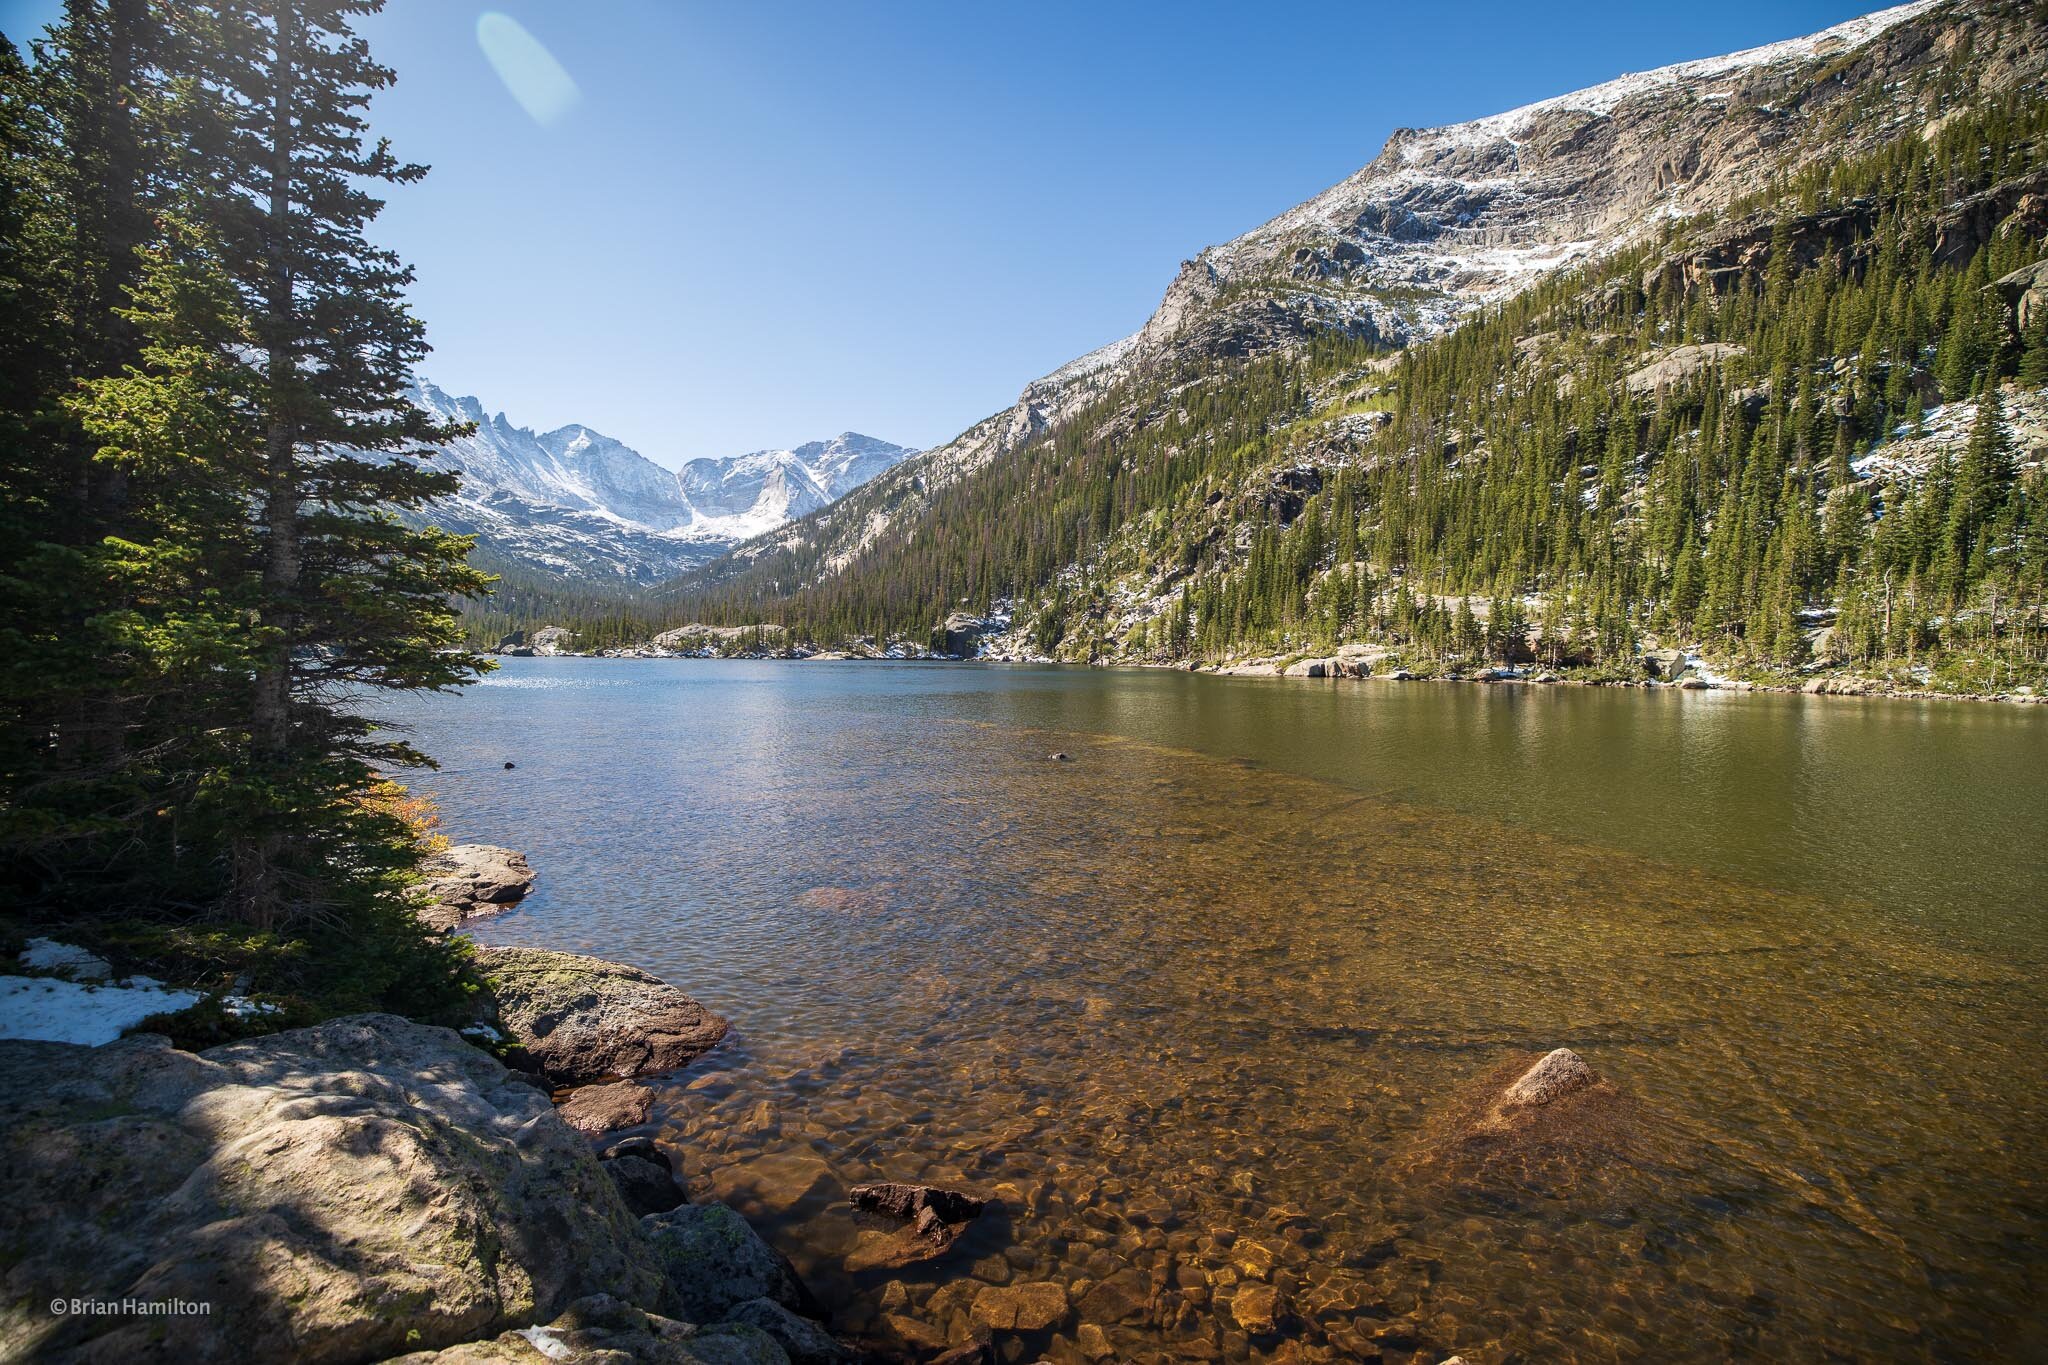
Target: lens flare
(544,90)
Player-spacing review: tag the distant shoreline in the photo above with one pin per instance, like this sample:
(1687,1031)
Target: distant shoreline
(1837,685)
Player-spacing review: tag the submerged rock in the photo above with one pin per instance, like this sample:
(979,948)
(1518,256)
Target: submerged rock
(582,1019)
(1557,1097)
(344,1192)
(1533,1120)
(1256,1307)
(1035,1307)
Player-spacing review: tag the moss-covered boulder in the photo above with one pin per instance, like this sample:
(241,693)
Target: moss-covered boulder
(582,1019)
(717,1262)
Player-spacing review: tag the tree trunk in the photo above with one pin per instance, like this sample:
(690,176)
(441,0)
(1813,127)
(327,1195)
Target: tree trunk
(258,889)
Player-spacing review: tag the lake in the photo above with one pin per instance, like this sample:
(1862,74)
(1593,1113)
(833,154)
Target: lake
(1197,1005)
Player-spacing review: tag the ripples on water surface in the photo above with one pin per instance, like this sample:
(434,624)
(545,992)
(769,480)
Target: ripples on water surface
(1190,1003)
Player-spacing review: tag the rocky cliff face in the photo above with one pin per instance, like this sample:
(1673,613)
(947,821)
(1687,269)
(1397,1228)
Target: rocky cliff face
(576,503)
(1446,220)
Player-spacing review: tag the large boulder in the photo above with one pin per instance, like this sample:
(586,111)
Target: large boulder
(717,1261)
(582,1019)
(604,1331)
(338,1193)
(469,880)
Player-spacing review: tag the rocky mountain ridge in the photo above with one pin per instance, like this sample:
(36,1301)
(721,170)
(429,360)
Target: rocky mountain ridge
(574,502)
(1446,221)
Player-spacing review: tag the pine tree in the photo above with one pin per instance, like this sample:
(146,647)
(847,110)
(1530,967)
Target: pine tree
(1984,478)
(273,212)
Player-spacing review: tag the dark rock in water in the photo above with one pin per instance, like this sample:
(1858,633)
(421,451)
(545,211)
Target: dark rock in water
(936,1219)
(804,1341)
(716,1262)
(646,1187)
(906,1202)
(582,1019)
(926,1239)
(646,1148)
(605,1108)
(509,765)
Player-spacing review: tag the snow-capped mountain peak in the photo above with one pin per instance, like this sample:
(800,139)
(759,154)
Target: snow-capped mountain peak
(576,501)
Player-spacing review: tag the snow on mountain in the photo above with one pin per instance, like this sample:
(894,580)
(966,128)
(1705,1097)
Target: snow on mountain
(1447,220)
(576,502)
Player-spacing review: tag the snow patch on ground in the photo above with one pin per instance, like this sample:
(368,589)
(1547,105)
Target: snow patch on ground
(64,959)
(52,1011)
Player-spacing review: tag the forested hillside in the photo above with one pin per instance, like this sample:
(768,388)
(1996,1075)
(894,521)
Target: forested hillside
(1805,428)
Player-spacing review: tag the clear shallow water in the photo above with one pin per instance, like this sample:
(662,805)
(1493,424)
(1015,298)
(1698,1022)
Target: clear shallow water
(1196,1004)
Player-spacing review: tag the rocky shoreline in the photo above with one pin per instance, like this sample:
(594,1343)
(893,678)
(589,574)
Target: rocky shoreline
(376,1189)
(1357,665)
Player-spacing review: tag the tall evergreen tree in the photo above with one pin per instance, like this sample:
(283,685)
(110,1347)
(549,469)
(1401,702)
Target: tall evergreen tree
(275,170)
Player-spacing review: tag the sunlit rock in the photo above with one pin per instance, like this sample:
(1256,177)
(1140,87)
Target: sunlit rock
(582,1019)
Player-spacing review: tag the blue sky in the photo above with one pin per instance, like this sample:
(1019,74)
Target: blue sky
(759,224)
